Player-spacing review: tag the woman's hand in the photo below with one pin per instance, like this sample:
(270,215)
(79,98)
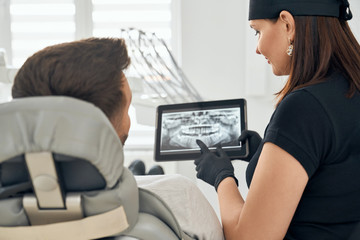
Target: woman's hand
(213,168)
(254,141)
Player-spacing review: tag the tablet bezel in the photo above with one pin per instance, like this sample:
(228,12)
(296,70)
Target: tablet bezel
(219,104)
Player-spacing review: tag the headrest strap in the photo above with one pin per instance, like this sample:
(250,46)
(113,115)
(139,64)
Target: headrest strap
(44,178)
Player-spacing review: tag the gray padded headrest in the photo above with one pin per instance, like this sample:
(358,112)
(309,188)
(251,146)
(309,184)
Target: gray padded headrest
(61,125)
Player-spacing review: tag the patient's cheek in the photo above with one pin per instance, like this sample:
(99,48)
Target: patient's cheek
(123,139)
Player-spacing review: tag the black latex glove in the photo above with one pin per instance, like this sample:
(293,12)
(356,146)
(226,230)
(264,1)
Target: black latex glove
(254,141)
(213,168)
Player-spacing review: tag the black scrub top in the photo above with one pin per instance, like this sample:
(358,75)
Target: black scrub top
(320,127)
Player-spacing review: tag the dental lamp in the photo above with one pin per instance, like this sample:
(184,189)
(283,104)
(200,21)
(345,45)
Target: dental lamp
(7,73)
(154,76)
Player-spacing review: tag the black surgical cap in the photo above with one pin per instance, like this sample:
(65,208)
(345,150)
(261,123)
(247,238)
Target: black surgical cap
(267,9)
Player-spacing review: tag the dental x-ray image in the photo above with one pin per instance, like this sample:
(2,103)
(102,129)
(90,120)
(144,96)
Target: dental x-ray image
(181,129)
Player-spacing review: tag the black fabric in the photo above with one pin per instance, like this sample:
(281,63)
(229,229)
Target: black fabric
(75,174)
(13,171)
(267,9)
(355,234)
(320,127)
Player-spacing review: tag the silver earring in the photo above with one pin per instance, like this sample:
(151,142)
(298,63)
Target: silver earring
(290,49)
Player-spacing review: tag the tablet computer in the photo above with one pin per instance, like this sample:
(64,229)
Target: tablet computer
(213,122)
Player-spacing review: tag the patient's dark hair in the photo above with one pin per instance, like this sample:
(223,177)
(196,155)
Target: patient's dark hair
(89,69)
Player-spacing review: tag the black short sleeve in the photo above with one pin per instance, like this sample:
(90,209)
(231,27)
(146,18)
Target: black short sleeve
(319,126)
(302,128)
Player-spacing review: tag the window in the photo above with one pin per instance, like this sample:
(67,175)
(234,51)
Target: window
(36,24)
(27,26)
(110,16)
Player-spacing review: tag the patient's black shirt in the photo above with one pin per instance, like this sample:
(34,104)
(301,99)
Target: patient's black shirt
(320,127)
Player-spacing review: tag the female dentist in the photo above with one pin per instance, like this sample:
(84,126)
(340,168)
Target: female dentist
(304,176)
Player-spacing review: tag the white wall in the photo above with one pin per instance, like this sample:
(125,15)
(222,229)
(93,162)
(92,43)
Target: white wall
(218,56)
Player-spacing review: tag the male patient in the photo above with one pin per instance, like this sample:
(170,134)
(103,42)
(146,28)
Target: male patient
(92,70)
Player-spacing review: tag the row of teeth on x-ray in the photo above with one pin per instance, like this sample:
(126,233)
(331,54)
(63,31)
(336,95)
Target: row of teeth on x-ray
(209,137)
(200,130)
(205,127)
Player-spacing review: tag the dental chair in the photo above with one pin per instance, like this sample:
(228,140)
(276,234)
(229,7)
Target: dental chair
(62,177)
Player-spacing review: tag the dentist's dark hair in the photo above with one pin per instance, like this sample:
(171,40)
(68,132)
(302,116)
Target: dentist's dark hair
(322,44)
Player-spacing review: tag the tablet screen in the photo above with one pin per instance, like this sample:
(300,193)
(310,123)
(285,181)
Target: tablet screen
(214,122)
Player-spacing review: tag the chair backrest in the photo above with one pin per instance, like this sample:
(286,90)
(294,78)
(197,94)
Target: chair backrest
(61,169)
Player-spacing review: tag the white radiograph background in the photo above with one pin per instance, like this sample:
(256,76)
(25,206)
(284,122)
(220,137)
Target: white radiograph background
(180,130)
